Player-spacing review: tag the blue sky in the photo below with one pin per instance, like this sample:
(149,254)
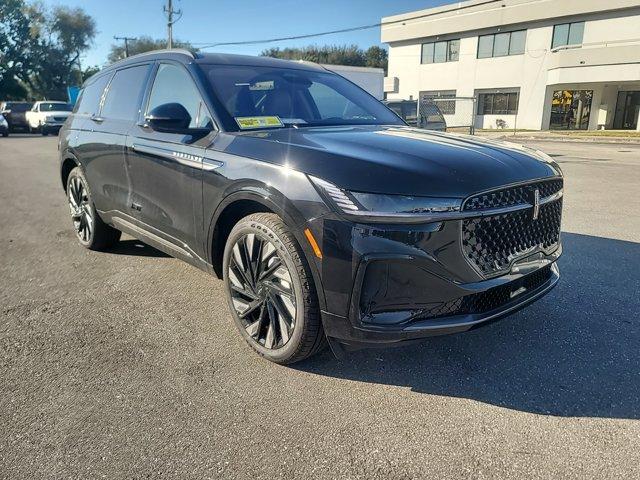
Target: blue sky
(236,20)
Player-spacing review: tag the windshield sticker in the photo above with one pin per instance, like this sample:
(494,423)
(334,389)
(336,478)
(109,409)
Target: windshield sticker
(246,123)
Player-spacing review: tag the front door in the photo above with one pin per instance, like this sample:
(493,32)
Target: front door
(627,109)
(166,168)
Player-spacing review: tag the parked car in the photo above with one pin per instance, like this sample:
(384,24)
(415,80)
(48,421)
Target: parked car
(4,127)
(325,214)
(430,118)
(14,114)
(47,117)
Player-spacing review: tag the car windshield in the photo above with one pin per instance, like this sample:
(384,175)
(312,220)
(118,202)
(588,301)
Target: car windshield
(18,107)
(55,107)
(268,97)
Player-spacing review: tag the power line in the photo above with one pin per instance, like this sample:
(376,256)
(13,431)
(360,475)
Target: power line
(294,37)
(344,30)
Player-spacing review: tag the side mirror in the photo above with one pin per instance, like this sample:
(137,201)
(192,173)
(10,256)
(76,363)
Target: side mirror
(169,118)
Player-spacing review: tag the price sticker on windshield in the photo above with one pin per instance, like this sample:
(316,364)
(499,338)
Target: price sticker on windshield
(246,123)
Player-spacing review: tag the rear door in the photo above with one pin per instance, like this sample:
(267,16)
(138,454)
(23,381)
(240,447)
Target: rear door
(166,168)
(104,136)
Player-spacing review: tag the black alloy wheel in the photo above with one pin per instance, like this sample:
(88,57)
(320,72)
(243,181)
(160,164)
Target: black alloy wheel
(261,291)
(91,231)
(81,214)
(271,291)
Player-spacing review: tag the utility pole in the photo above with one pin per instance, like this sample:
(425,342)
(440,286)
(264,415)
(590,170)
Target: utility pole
(168,9)
(126,43)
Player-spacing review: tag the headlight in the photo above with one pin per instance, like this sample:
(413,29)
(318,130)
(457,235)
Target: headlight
(374,207)
(49,118)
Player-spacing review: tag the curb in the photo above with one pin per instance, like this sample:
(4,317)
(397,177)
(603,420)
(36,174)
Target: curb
(621,140)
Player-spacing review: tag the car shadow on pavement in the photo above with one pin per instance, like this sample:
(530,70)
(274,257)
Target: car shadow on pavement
(136,248)
(574,353)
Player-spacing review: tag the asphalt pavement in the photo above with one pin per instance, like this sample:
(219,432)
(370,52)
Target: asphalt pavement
(126,364)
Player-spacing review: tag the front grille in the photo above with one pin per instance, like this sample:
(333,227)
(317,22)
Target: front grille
(511,196)
(59,119)
(488,300)
(491,244)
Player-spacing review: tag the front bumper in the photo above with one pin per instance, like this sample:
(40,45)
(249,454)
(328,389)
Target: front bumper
(52,127)
(386,284)
(344,330)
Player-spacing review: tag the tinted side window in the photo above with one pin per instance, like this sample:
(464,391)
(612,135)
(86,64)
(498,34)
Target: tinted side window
(123,96)
(89,101)
(174,85)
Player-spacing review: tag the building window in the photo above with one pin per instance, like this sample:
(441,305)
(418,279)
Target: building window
(567,34)
(570,109)
(440,52)
(498,103)
(439,98)
(502,44)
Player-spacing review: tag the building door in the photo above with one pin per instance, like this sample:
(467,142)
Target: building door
(570,109)
(627,109)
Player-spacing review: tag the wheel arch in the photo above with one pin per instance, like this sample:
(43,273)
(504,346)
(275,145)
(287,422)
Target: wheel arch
(68,163)
(238,205)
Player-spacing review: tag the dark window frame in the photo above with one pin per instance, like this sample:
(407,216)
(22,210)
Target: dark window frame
(509,47)
(507,99)
(448,56)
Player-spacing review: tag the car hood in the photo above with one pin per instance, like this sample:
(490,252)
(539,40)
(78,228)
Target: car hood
(398,160)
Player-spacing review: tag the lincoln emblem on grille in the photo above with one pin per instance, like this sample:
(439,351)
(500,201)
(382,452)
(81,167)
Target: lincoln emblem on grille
(536,204)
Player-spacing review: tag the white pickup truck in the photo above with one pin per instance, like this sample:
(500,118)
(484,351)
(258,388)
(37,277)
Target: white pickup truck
(47,117)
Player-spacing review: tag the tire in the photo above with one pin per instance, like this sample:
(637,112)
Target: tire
(91,231)
(5,134)
(43,132)
(279,306)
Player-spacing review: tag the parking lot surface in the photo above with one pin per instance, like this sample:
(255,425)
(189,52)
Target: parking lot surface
(127,363)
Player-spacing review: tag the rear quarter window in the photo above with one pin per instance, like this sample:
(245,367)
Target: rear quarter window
(89,100)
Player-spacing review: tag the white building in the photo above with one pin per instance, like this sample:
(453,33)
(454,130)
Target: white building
(531,64)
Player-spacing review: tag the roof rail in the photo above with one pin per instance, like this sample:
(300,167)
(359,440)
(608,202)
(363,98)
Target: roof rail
(182,51)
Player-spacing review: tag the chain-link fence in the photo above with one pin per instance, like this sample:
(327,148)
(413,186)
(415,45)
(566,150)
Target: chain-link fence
(457,113)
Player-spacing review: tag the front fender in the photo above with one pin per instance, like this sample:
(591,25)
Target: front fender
(273,200)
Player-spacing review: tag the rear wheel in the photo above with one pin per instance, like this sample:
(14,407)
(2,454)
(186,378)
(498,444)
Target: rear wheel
(270,290)
(91,231)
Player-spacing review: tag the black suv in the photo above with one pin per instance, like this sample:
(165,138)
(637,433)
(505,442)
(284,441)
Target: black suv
(15,115)
(325,214)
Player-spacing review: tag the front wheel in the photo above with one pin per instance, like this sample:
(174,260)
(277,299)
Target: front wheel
(91,231)
(270,290)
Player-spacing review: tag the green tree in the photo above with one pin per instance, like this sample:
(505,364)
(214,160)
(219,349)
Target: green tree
(40,48)
(15,43)
(376,57)
(141,45)
(333,55)
(61,35)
